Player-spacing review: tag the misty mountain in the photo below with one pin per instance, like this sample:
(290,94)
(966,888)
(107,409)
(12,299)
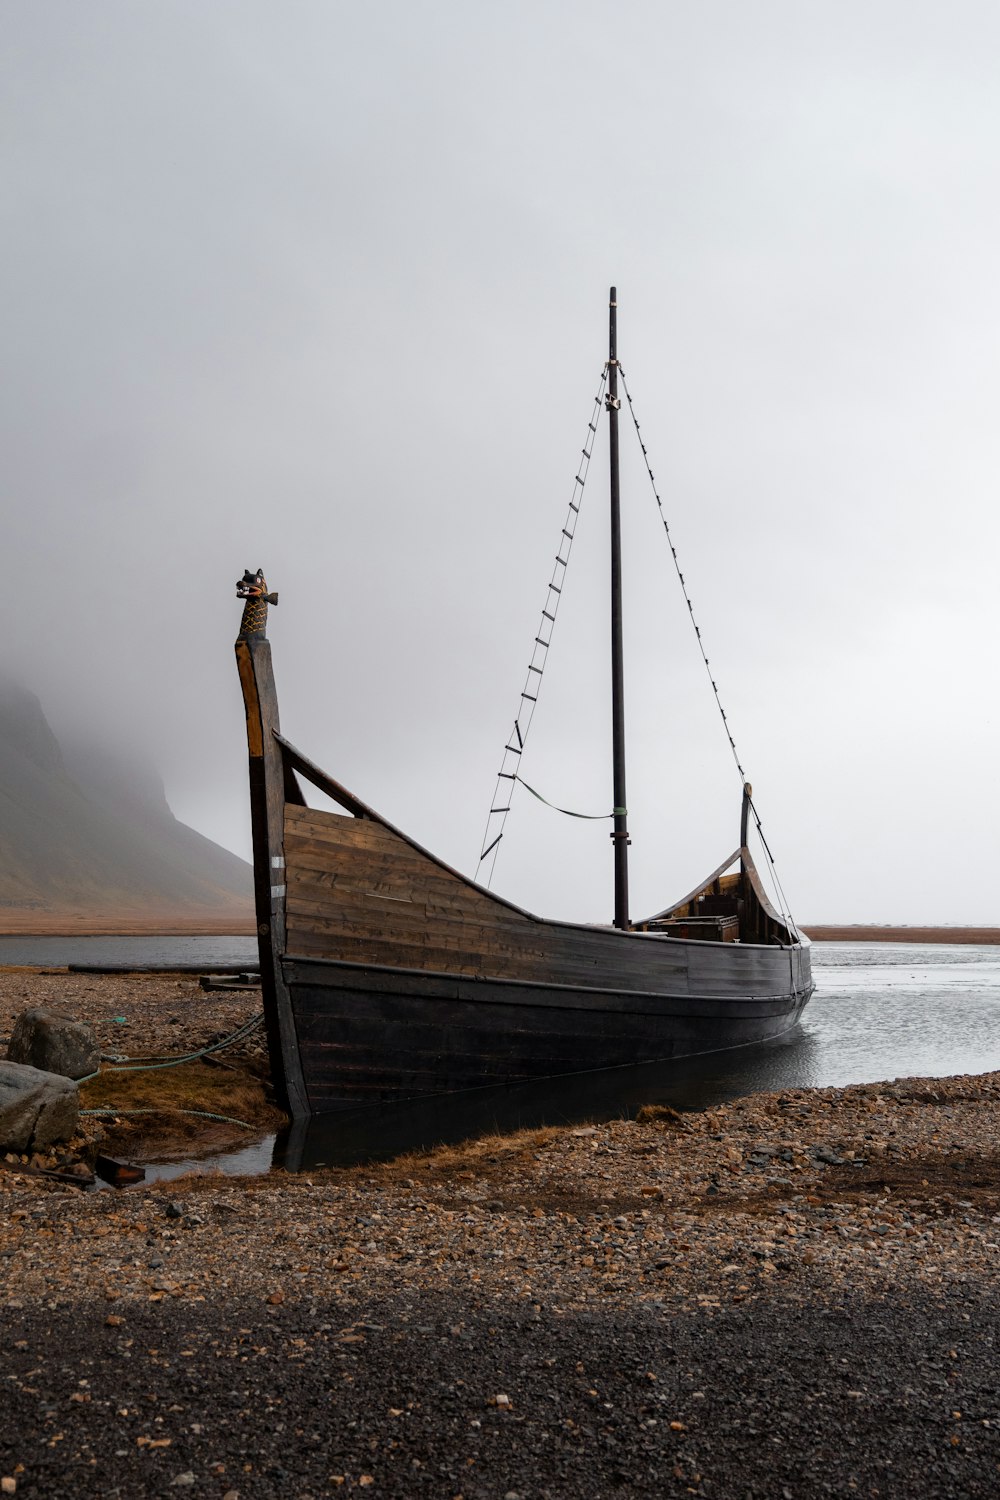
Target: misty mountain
(89,832)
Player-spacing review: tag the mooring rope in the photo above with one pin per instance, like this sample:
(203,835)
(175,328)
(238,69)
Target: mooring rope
(150,1065)
(496,819)
(170,1109)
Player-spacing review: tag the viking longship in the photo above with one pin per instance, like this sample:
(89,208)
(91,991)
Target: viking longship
(387,975)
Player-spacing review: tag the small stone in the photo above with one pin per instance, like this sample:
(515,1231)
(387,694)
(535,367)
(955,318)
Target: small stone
(8,1485)
(183,1480)
(276,1298)
(173,1211)
(504,1402)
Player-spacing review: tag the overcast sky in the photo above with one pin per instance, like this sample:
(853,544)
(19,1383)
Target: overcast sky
(323,288)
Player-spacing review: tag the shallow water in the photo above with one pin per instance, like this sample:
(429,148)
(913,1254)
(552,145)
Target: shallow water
(143,952)
(249,1161)
(892,1010)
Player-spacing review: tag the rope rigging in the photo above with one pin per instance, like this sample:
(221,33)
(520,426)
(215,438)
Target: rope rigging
(590,817)
(704,654)
(508,774)
(497,817)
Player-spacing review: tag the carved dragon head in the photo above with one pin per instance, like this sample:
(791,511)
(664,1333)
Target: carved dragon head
(253,588)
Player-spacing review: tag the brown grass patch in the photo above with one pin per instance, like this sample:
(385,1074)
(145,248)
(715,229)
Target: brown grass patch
(177,1098)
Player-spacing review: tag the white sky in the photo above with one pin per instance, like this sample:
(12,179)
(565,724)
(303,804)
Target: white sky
(322,287)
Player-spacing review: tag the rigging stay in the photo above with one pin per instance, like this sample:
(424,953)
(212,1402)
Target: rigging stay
(509,772)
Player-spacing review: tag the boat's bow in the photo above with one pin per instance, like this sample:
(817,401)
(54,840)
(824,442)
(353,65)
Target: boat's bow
(267,813)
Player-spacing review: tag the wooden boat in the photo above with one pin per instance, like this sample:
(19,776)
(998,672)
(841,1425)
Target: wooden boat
(387,975)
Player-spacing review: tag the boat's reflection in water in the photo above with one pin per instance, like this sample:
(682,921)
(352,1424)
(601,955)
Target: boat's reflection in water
(380,1132)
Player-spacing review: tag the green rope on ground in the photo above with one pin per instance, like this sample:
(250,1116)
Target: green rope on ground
(169,1109)
(174,1062)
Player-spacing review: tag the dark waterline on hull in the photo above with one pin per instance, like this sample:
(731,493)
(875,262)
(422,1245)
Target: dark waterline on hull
(379,1133)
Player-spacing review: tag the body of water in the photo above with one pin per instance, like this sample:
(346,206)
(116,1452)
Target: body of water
(881,1011)
(900,1010)
(144,952)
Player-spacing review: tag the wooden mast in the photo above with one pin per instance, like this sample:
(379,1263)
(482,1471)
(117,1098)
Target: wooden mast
(620,833)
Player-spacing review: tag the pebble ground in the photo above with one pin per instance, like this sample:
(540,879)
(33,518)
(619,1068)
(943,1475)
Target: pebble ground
(789,1296)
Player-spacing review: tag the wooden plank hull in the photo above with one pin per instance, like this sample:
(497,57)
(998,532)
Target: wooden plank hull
(369,1034)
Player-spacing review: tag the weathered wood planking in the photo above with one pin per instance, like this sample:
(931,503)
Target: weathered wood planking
(358,892)
(368,1035)
(365,853)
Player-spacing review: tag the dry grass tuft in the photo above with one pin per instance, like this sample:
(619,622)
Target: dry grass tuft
(661,1114)
(169,1092)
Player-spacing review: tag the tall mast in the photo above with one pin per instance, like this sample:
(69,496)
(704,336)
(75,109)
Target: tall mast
(620,834)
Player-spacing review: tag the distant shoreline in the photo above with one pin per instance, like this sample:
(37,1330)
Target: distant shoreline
(863,933)
(77,924)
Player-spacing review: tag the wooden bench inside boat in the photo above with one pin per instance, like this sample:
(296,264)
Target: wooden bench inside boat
(710,928)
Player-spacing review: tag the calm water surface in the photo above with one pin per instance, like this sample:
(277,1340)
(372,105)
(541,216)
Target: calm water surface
(894,1010)
(881,1011)
(144,952)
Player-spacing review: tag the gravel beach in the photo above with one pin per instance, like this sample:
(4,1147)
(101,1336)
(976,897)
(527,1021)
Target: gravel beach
(789,1295)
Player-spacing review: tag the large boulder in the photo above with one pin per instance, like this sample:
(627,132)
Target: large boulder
(54,1043)
(36,1109)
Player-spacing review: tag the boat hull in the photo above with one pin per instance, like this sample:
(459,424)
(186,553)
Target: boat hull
(387,975)
(368,1034)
